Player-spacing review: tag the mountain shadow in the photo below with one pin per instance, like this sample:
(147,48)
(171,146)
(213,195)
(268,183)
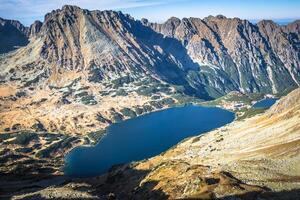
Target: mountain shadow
(11,37)
(174,72)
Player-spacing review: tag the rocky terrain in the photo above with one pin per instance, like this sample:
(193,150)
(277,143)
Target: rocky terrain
(263,164)
(64,80)
(256,158)
(86,69)
(83,70)
(235,54)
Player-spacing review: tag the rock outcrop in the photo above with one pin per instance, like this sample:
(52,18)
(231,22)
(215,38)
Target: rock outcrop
(34,28)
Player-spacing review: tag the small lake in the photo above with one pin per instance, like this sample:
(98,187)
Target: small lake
(265,103)
(144,137)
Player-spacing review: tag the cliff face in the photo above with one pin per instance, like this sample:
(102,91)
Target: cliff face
(107,44)
(208,57)
(14,35)
(241,55)
(111,43)
(34,28)
(284,43)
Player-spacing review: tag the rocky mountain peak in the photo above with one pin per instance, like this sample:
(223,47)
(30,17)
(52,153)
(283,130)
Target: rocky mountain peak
(293,27)
(217,17)
(240,48)
(145,21)
(74,34)
(269,25)
(105,44)
(35,28)
(71,8)
(173,20)
(221,17)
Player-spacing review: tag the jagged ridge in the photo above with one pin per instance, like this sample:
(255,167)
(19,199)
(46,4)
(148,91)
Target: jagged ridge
(210,57)
(237,55)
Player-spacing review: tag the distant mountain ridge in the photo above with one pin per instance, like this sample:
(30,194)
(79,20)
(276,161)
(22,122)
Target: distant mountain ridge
(210,57)
(250,58)
(13,34)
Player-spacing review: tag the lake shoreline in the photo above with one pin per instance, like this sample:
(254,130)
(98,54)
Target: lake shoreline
(188,126)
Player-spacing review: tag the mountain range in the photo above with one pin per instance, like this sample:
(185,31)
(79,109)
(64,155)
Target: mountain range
(209,56)
(61,69)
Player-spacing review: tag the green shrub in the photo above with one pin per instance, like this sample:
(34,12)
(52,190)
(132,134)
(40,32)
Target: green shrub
(128,112)
(102,119)
(155,97)
(5,136)
(88,100)
(24,150)
(82,94)
(65,143)
(96,75)
(23,138)
(147,91)
(38,127)
(167,101)
(156,104)
(20,94)
(32,81)
(121,92)
(138,110)
(117,117)
(148,108)
(251,112)
(96,135)
(119,82)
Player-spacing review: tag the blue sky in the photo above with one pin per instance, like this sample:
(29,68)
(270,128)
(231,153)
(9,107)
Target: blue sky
(159,10)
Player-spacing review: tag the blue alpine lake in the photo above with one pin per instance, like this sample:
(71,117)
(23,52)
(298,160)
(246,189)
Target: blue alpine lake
(265,103)
(143,137)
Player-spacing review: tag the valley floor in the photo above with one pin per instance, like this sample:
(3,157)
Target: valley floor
(254,158)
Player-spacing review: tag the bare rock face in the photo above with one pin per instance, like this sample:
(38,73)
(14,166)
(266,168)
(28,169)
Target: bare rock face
(15,35)
(34,28)
(110,43)
(238,54)
(209,57)
(284,42)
